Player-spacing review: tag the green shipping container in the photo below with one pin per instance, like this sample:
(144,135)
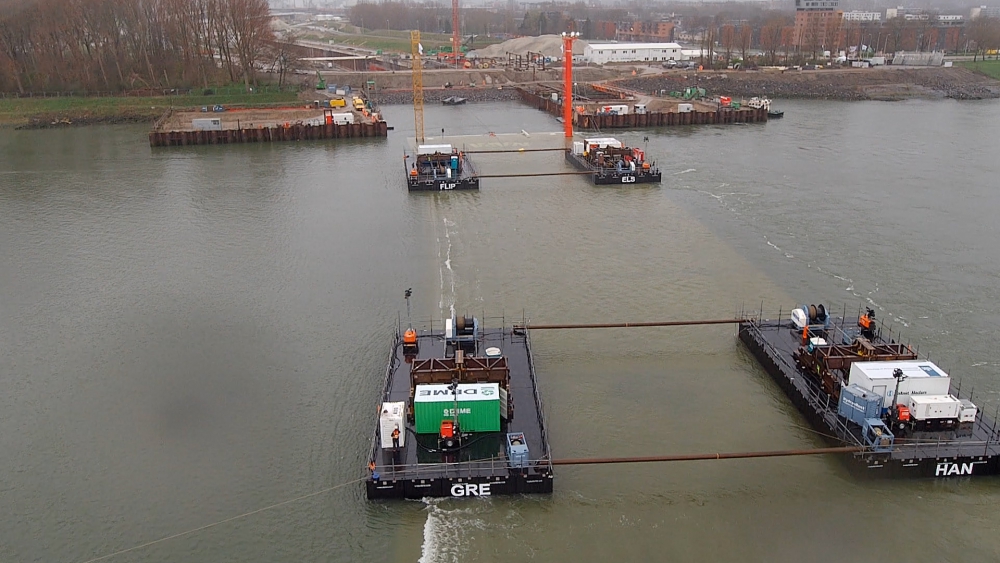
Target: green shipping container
(478,407)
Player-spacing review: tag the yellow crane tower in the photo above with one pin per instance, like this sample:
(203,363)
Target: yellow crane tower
(418,86)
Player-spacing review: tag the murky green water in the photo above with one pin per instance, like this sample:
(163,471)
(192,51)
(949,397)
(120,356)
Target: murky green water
(194,333)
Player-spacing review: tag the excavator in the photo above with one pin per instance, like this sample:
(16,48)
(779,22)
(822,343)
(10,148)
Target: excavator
(449,56)
(320,81)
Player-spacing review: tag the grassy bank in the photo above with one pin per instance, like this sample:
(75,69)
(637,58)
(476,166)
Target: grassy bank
(43,111)
(989,68)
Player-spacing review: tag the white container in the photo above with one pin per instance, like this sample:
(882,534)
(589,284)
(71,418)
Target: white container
(685,108)
(207,124)
(343,118)
(391,418)
(435,393)
(967,412)
(603,142)
(620,109)
(640,108)
(555,97)
(922,378)
(934,407)
(577,147)
(431,149)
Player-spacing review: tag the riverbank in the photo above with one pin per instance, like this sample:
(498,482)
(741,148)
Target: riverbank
(41,113)
(881,83)
(884,83)
(989,68)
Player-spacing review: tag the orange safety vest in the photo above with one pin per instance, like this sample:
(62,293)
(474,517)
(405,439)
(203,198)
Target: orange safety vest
(865,322)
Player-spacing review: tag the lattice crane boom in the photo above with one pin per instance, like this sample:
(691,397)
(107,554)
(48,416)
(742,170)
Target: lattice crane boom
(418,86)
(456,43)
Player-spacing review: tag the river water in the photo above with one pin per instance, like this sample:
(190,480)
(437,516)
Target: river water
(191,334)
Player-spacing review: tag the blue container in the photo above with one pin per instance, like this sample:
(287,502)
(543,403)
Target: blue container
(857,404)
(517,450)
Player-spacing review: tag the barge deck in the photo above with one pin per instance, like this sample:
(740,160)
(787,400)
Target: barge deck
(970,449)
(417,468)
(612,163)
(439,168)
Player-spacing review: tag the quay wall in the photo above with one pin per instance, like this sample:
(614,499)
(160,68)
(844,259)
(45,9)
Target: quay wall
(292,132)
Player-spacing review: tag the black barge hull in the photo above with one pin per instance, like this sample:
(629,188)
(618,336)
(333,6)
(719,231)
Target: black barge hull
(413,471)
(613,177)
(976,452)
(441,184)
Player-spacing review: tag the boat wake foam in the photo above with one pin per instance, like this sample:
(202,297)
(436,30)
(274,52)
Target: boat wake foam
(447,532)
(444,256)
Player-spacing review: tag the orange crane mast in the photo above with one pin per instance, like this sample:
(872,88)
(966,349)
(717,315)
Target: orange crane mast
(568,39)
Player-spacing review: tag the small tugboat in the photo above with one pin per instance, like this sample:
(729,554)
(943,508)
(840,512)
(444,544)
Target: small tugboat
(439,168)
(446,424)
(612,163)
(453,101)
(864,388)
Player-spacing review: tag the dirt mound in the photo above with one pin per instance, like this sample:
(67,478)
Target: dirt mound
(548,45)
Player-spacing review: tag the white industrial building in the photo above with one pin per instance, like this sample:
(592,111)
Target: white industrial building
(601,53)
(861,16)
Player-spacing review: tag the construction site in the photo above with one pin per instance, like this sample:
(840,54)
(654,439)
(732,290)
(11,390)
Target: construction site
(537,71)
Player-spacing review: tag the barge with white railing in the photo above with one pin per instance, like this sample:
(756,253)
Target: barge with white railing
(612,163)
(459,415)
(440,167)
(861,386)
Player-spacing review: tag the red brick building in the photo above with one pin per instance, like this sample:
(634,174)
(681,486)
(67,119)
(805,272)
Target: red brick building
(646,32)
(817,24)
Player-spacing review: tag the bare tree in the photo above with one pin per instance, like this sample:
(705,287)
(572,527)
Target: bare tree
(984,32)
(771,38)
(746,40)
(127,44)
(727,38)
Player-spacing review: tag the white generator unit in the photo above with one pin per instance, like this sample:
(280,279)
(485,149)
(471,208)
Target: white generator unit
(577,147)
(685,108)
(620,109)
(207,124)
(968,411)
(432,149)
(602,142)
(934,407)
(391,418)
(920,377)
(343,118)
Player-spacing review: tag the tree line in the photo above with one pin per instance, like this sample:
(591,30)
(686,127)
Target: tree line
(122,45)
(724,29)
(436,18)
